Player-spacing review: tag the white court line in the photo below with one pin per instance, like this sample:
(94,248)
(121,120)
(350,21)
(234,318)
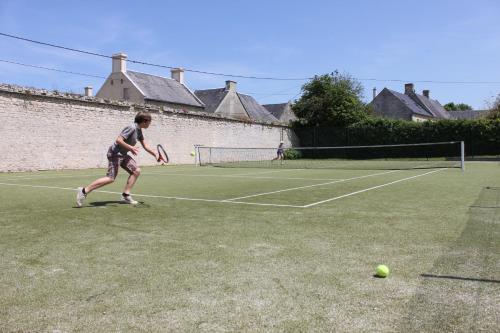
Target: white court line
(158,196)
(250,203)
(206,200)
(369,189)
(39,186)
(236,176)
(308,186)
(51,177)
(98,173)
(19,178)
(264,172)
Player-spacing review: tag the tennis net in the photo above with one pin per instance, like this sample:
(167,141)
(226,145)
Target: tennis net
(385,157)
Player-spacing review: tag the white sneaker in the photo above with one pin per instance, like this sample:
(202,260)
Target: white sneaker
(80,197)
(128,199)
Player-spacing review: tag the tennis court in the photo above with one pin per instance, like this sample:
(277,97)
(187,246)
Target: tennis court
(252,249)
(295,188)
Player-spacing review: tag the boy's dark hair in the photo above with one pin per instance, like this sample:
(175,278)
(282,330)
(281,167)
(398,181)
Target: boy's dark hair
(142,117)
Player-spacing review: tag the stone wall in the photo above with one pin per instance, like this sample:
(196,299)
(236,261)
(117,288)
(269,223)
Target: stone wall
(50,130)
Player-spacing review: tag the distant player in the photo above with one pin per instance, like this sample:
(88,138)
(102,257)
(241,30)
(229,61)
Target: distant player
(118,157)
(280,152)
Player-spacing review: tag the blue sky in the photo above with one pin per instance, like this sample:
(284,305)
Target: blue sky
(439,40)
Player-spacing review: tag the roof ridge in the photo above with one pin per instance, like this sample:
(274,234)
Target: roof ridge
(212,89)
(275,104)
(163,77)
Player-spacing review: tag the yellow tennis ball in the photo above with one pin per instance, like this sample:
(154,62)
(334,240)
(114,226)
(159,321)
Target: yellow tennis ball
(193,153)
(382,271)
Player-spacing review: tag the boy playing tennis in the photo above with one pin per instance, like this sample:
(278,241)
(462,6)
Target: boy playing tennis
(279,152)
(117,156)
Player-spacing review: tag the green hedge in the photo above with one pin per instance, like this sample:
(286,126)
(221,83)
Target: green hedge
(481,137)
(292,154)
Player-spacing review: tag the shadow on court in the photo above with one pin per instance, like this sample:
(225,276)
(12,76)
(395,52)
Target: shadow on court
(494,201)
(457,278)
(458,301)
(113,203)
(106,203)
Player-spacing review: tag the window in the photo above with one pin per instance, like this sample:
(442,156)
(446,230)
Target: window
(126,94)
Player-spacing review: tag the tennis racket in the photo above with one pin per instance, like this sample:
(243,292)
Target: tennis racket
(162,154)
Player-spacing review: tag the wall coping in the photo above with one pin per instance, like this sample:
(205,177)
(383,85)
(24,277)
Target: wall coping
(67,96)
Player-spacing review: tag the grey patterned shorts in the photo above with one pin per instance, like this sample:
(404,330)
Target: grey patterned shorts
(115,161)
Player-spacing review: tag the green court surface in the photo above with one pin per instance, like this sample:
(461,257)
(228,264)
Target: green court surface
(245,250)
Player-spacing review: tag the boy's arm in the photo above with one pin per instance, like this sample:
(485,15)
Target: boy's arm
(121,141)
(148,149)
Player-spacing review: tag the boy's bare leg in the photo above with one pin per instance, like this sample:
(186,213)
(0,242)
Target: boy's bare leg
(98,183)
(83,191)
(131,181)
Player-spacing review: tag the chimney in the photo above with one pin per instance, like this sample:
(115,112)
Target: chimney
(374,92)
(177,74)
(88,91)
(119,63)
(230,85)
(409,89)
(425,93)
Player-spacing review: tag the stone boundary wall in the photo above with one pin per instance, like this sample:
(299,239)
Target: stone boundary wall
(45,130)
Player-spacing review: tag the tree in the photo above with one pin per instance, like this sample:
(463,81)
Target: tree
(457,107)
(331,99)
(495,108)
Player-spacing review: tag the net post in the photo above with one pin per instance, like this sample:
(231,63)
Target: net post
(196,155)
(462,155)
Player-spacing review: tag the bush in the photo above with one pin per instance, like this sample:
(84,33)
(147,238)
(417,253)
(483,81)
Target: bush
(292,154)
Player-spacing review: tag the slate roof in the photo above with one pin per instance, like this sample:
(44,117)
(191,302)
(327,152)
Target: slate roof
(282,111)
(422,105)
(213,97)
(276,110)
(411,104)
(162,89)
(255,110)
(437,110)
